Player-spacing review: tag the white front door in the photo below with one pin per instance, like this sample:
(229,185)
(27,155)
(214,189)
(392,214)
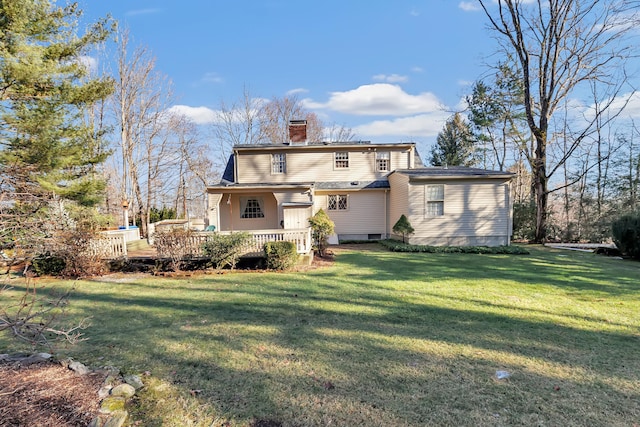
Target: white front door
(296,217)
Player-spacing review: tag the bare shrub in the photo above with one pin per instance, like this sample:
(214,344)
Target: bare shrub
(35,317)
(176,244)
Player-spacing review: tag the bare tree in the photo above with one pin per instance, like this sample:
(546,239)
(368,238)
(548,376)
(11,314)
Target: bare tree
(141,99)
(276,114)
(237,123)
(338,133)
(560,46)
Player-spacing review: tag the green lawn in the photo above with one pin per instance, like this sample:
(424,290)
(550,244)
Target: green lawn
(378,339)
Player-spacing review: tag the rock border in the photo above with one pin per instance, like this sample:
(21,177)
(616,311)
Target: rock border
(116,390)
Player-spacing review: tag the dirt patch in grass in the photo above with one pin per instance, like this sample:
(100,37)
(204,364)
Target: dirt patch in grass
(47,394)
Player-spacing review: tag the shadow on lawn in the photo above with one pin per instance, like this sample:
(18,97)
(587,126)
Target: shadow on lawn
(321,346)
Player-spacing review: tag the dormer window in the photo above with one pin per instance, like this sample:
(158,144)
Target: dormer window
(342,160)
(278,163)
(383,161)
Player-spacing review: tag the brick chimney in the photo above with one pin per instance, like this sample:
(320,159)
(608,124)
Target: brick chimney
(298,131)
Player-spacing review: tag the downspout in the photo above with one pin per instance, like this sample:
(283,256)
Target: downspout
(386,214)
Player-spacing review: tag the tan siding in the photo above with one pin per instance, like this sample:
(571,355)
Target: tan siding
(399,198)
(230,213)
(473,211)
(309,165)
(366,213)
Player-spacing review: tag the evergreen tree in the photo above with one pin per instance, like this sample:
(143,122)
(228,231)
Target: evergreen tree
(46,146)
(403,226)
(454,145)
(48,150)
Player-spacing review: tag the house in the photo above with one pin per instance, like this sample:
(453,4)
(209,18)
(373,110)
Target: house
(364,188)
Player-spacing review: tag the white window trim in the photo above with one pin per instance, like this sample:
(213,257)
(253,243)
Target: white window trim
(336,160)
(338,196)
(388,159)
(428,200)
(283,163)
(243,206)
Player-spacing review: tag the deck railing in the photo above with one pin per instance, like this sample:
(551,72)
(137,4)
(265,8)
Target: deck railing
(301,237)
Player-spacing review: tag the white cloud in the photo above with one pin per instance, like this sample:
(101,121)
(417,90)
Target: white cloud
(421,125)
(378,99)
(632,107)
(414,12)
(198,115)
(212,77)
(297,91)
(468,6)
(136,12)
(89,62)
(417,69)
(390,78)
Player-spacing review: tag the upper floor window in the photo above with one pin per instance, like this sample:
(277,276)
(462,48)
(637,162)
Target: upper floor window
(342,159)
(434,200)
(251,207)
(383,161)
(337,202)
(278,163)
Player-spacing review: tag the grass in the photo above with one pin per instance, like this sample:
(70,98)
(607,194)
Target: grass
(379,338)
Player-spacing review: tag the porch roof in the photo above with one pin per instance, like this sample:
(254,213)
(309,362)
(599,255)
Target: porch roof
(222,187)
(352,185)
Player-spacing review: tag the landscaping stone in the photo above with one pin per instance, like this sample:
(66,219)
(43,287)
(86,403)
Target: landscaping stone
(112,404)
(104,391)
(134,381)
(123,390)
(79,368)
(117,419)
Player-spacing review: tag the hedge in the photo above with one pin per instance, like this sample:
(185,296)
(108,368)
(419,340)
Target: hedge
(397,246)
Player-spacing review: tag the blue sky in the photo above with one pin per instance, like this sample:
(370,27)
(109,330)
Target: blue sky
(390,70)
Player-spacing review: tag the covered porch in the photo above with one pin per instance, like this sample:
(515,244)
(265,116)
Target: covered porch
(269,212)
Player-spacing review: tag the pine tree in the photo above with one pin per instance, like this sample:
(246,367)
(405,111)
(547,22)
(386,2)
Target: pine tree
(454,145)
(46,146)
(403,226)
(48,151)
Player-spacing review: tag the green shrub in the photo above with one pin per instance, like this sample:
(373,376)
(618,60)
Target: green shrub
(281,255)
(403,227)
(397,246)
(626,234)
(225,250)
(321,228)
(524,221)
(48,265)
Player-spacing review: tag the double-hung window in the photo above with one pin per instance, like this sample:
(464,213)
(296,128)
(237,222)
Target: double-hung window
(337,202)
(278,163)
(383,161)
(434,200)
(342,160)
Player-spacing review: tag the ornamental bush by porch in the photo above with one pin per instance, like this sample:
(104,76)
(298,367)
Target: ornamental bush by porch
(281,255)
(321,228)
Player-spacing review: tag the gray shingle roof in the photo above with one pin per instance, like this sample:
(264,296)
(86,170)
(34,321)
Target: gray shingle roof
(452,171)
(351,185)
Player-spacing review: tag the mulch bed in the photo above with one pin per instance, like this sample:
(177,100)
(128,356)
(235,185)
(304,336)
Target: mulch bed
(47,394)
